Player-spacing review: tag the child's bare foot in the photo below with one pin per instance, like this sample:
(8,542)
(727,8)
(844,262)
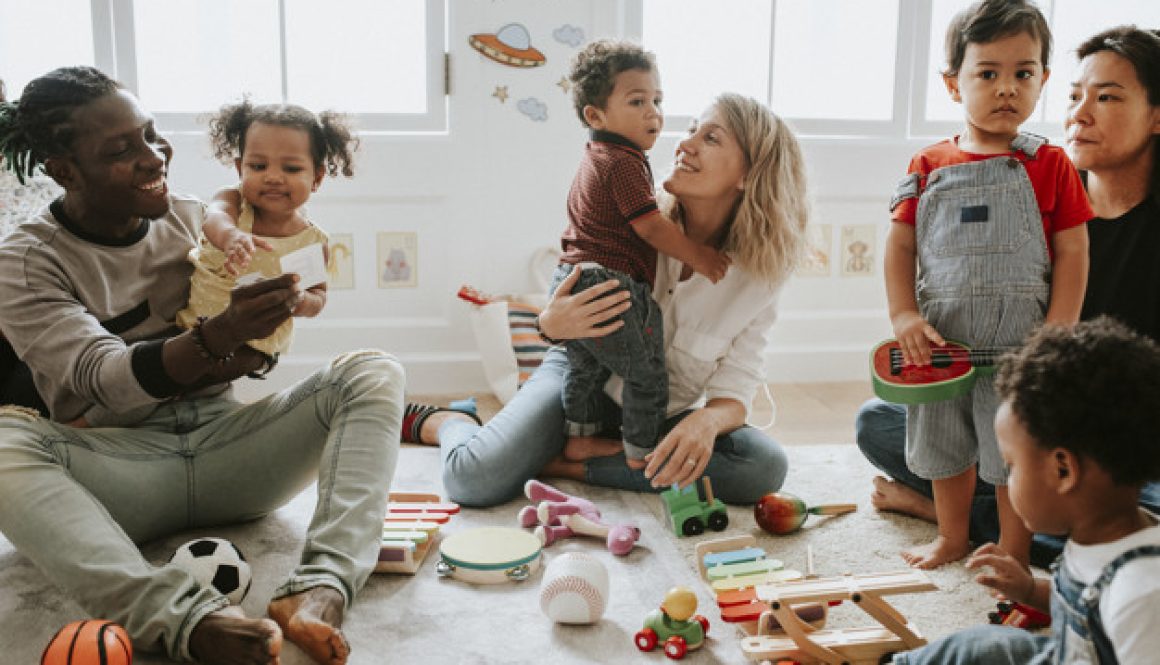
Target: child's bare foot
(581,448)
(934,554)
(229,637)
(311,620)
(895,497)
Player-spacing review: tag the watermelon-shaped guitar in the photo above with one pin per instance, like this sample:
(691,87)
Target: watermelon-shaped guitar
(952,372)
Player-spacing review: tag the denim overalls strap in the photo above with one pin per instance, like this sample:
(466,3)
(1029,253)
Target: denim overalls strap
(1077,626)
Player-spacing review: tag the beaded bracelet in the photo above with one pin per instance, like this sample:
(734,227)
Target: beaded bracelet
(199,341)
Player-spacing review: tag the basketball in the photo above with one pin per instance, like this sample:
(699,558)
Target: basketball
(90,642)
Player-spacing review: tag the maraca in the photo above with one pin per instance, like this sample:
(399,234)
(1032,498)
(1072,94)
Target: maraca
(780,513)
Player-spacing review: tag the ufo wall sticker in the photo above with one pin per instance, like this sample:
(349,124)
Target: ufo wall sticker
(511,45)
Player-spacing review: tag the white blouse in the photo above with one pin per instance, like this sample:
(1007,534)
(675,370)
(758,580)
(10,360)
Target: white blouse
(715,335)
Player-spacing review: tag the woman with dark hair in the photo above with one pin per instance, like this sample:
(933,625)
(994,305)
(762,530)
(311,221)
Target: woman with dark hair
(1113,129)
(89,289)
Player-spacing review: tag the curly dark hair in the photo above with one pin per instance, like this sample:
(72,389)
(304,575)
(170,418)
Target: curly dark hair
(1141,48)
(1092,389)
(984,22)
(594,70)
(332,142)
(39,124)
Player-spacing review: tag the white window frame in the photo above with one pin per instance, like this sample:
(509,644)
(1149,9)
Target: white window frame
(912,64)
(114,46)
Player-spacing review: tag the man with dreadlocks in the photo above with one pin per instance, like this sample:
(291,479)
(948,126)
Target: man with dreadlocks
(144,437)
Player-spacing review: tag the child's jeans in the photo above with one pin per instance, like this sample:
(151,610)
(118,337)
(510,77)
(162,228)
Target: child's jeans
(635,352)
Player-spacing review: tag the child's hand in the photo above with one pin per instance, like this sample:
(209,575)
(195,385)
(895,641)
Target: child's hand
(240,248)
(914,337)
(711,263)
(1008,578)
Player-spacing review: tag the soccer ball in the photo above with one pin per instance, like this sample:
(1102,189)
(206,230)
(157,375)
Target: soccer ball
(216,562)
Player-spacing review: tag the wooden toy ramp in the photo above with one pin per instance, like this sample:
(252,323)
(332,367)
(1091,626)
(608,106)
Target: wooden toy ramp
(805,644)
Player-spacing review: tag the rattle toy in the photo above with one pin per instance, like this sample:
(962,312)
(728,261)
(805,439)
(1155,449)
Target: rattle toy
(557,515)
(780,513)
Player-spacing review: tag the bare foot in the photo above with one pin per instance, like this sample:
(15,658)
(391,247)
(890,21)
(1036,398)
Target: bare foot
(895,497)
(561,468)
(311,620)
(229,637)
(581,448)
(936,553)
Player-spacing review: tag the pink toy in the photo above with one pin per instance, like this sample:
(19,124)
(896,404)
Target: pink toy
(557,516)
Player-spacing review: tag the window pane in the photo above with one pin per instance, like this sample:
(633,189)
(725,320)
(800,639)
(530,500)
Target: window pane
(24,28)
(834,59)
(1074,22)
(360,56)
(704,49)
(196,56)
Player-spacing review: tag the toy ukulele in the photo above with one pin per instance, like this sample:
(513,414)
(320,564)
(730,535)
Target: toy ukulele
(952,372)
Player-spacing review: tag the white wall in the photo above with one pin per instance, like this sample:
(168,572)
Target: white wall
(484,197)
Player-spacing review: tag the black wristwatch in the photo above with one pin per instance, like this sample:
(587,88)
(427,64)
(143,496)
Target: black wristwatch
(544,337)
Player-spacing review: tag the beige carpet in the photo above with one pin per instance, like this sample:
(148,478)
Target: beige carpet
(425,619)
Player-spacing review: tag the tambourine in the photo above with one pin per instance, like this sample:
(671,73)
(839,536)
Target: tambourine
(489,555)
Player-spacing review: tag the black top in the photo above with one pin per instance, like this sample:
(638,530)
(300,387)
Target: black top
(1124,279)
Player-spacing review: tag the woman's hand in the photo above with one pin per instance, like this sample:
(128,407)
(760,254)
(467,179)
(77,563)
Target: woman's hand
(684,452)
(590,313)
(1008,579)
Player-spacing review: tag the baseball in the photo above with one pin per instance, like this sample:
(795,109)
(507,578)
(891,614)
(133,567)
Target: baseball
(575,589)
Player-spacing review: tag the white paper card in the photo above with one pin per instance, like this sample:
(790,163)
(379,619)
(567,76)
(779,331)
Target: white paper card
(310,264)
(249,278)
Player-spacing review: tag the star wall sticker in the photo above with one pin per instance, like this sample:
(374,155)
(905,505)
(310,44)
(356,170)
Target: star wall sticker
(501,93)
(564,84)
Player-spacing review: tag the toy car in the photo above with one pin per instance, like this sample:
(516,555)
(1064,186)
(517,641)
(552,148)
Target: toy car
(674,625)
(694,507)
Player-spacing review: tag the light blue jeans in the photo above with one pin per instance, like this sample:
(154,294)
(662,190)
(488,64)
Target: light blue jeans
(485,466)
(983,645)
(75,501)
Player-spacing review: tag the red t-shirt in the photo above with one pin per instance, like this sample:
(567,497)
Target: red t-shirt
(613,187)
(1063,203)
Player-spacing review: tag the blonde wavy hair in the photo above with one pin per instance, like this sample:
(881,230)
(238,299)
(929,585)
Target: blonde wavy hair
(767,234)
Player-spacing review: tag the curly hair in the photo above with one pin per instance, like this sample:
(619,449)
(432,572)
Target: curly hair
(595,67)
(767,233)
(39,125)
(1091,389)
(986,21)
(332,142)
(1141,48)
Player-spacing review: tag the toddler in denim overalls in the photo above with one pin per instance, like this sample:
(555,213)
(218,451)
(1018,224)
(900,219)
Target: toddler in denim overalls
(1077,426)
(995,220)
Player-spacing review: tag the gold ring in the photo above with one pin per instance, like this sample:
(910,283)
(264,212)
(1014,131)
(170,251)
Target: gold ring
(691,462)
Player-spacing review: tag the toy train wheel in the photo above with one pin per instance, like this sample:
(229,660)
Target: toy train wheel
(704,623)
(676,647)
(646,640)
(718,520)
(693,527)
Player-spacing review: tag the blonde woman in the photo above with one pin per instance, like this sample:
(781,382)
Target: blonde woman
(737,184)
